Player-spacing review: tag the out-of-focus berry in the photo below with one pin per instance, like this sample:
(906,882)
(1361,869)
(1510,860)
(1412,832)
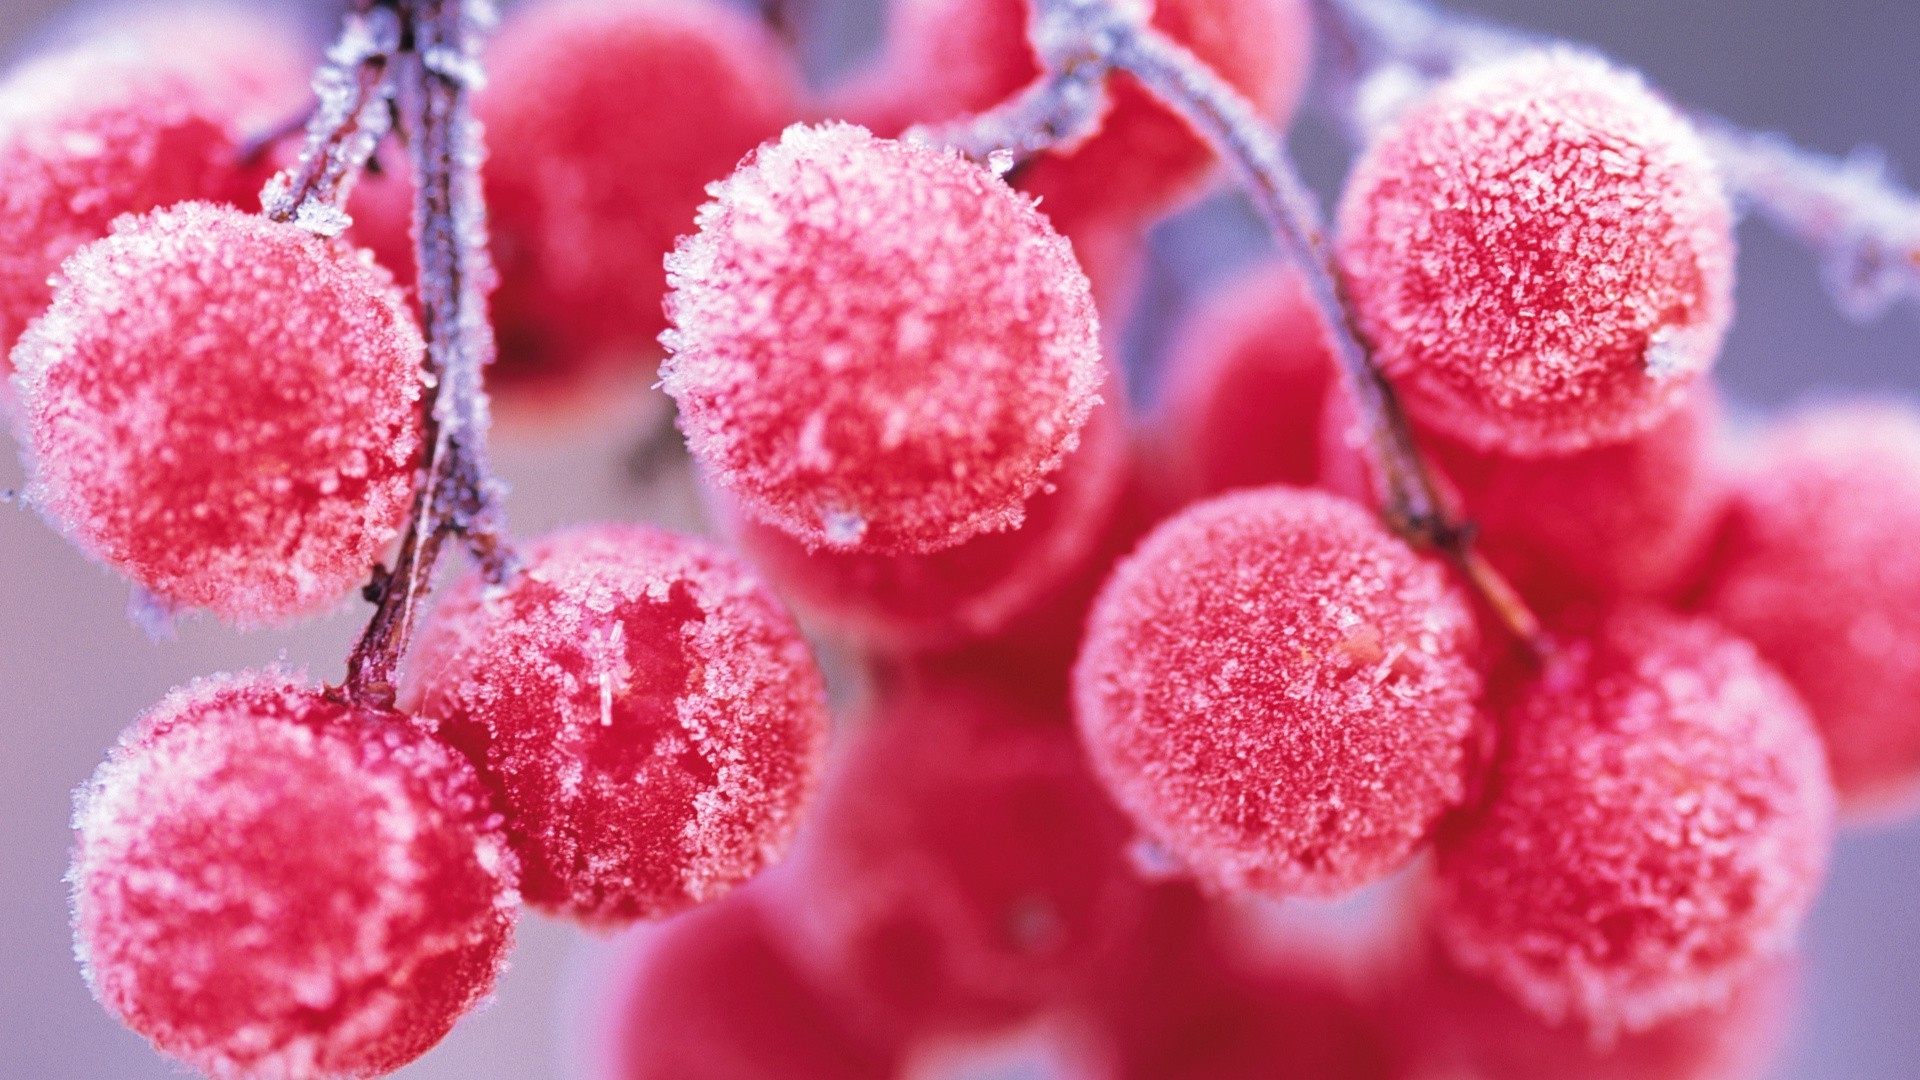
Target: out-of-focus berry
(609,118)
(878,345)
(645,709)
(1656,827)
(946,59)
(708,996)
(158,111)
(269,884)
(963,870)
(1818,567)
(1542,255)
(1280,693)
(225,408)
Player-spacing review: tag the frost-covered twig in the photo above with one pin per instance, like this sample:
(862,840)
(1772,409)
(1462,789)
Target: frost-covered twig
(434,73)
(355,91)
(1864,227)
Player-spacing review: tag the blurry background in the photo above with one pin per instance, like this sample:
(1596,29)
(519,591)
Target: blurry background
(74,670)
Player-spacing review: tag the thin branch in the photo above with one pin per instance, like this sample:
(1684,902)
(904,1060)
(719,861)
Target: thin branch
(353,115)
(435,71)
(1849,212)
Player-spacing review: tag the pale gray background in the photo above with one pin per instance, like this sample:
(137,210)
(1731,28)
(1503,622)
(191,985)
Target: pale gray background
(74,672)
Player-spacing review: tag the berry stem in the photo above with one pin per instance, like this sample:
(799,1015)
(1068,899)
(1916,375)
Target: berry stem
(434,72)
(354,114)
(1863,227)
(1413,506)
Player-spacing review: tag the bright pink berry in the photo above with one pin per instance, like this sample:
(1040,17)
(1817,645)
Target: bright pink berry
(877,344)
(1244,391)
(910,603)
(1541,255)
(962,869)
(1279,692)
(949,58)
(1657,826)
(156,113)
(1455,1025)
(1818,567)
(612,117)
(1627,519)
(270,884)
(645,709)
(225,408)
(708,995)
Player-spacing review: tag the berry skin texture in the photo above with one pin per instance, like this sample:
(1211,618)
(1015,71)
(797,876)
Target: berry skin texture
(1541,255)
(709,996)
(1245,390)
(1279,692)
(208,920)
(1657,829)
(644,709)
(878,345)
(910,603)
(949,58)
(226,409)
(1817,567)
(963,869)
(618,114)
(154,114)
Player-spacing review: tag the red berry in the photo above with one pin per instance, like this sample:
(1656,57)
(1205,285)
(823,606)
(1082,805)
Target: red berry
(209,919)
(1658,826)
(1818,568)
(1455,1025)
(910,603)
(707,996)
(878,345)
(611,116)
(644,708)
(1541,255)
(1628,519)
(962,870)
(1280,692)
(948,58)
(155,113)
(226,409)
(1245,389)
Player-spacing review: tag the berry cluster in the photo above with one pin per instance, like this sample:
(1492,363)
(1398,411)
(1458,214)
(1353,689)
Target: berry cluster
(1432,563)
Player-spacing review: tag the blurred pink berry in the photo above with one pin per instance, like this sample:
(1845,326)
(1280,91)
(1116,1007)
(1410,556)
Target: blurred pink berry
(645,709)
(1656,827)
(225,408)
(269,884)
(611,117)
(1541,254)
(1280,693)
(1819,568)
(878,345)
(155,112)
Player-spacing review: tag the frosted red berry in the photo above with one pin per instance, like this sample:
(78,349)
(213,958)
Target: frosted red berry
(877,344)
(208,918)
(225,408)
(1244,391)
(156,112)
(1657,826)
(645,709)
(1819,569)
(910,603)
(1541,255)
(962,870)
(1279,692)
(614,117)
(710,994)
(946,59)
